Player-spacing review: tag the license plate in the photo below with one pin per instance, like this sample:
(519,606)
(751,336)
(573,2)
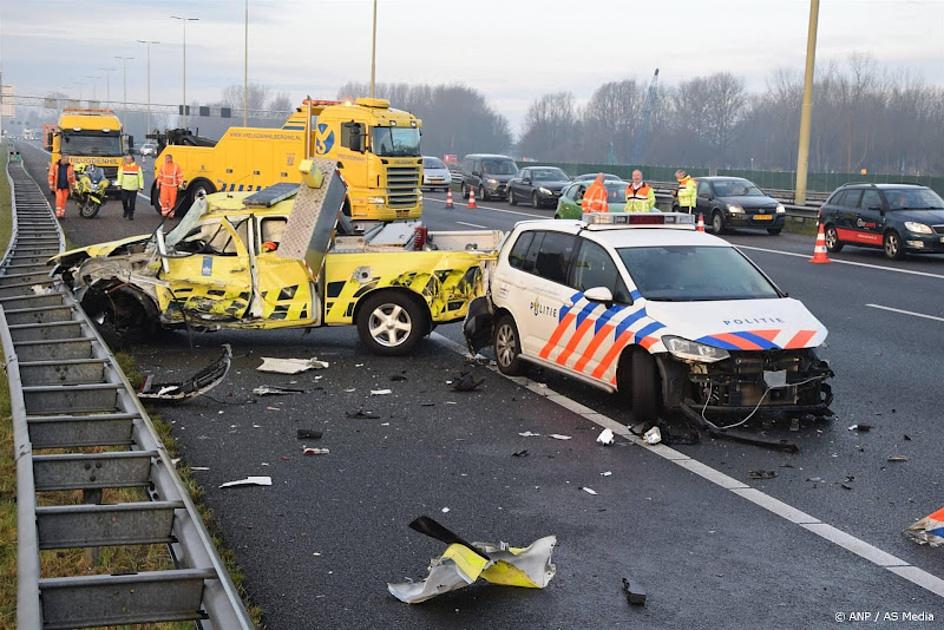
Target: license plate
(763,217)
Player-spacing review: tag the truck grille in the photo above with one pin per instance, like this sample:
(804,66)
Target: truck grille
(938,228)
(402,185)
(111,172)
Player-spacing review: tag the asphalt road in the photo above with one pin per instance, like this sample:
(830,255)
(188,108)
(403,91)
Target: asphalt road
(319,544)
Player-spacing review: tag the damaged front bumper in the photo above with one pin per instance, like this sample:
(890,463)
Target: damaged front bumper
(774,382)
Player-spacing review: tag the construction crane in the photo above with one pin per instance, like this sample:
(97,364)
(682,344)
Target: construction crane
(645,121)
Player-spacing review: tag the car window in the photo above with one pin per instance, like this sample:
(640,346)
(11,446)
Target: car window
(553,260)
(850,198)
(913,199)
(871,199)
(594,267)
(496,166)
(214,238)
(519,252)
(350,131)
(549,174)
(431,162)
(736,188)
(271,231)
(704,189)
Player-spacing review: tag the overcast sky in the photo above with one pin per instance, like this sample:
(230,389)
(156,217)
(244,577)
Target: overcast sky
(513,51)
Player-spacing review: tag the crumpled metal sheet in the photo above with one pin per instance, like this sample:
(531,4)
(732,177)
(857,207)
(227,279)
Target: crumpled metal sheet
(462,564)
(198,384)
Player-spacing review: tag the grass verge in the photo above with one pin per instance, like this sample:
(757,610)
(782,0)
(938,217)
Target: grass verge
(7,462)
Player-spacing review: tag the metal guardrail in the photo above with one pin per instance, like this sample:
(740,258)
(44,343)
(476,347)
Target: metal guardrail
(68,393)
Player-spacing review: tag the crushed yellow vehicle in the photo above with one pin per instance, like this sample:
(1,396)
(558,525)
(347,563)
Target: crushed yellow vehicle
(282,257)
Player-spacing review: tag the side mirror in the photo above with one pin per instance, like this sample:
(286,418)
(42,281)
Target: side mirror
(599,294)
(130,142)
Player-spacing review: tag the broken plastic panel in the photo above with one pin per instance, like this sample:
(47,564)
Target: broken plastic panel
(198,384)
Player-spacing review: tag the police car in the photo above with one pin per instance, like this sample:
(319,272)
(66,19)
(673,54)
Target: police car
(643,304)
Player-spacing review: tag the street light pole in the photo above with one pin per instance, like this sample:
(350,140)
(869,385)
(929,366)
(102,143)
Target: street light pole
(108,72)
(94,85)
(246,68)
(806,112)
(373,54)
(183,21)
(124,79)
(148,44)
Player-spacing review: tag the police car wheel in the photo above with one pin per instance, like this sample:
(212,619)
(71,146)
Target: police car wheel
(638,377)
(833,244)
(391,323)
(507,346)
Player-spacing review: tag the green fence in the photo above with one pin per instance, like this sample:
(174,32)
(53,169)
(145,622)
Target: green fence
(777,180)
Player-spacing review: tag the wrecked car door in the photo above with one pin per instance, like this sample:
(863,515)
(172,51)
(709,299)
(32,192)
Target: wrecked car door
(208,273)
(284,284)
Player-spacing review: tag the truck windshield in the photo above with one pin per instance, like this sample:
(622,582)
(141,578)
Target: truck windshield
(396,141)
(695,273)
(90,143)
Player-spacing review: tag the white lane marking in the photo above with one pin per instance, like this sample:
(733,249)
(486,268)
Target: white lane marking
(843,262)
(493,209)
(475,225)
(859,547)
(904,312)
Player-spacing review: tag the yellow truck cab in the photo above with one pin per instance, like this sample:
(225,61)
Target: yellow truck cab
(377,149)
(88,136)
(279,258)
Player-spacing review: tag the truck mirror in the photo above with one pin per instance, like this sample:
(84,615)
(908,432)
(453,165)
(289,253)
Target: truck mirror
(130,142)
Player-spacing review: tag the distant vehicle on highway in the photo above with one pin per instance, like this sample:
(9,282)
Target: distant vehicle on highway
(538,185)
(488,174)
(729,202)
(900,218)
(589,177)
(436,175)
(568,206)
(148,149)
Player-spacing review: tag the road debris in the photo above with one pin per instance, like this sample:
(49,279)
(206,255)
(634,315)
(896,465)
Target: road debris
(360,414)
(380,392)
(248,481)
(445,510)
(463,563)
(529,434)
(928,530)
(560,436)
(897,458)
(350,390)
(308,434)
(197,385)
(521,453)
(634,593)
(762,474)
(606,437)
(272,390)
(466,382)
(861,428)
(290,366)
(653,436)
(315,451)
(589,490)
(606,473)
(397,378)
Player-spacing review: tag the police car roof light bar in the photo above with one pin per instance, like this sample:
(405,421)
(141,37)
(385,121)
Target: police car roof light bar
(605,220)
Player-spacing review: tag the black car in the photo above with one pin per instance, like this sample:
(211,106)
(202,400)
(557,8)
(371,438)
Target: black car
(734,202)
(487,174)
(538,185)
(899,218)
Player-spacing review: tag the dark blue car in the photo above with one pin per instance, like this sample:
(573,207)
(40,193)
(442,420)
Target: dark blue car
(899,218)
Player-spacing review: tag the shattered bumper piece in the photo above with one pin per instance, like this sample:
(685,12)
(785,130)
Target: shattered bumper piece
(463,563)
(929,530)
(290,366)
(198,384)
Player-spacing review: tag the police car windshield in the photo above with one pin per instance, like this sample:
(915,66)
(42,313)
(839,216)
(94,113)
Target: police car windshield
(687,273)
(396,141)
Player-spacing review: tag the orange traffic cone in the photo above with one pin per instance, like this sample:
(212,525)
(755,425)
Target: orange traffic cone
(700,227)
(471,203)
(449,204)
(820,257)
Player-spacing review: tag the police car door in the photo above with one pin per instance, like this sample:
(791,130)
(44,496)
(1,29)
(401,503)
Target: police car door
(542,293)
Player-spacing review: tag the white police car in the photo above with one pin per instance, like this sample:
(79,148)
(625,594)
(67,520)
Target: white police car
(644,304)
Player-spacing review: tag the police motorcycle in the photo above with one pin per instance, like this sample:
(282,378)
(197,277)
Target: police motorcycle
(89,191)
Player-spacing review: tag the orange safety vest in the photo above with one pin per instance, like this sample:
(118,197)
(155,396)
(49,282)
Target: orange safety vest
(170,175)
(53,175)
(641,193)
(595,199)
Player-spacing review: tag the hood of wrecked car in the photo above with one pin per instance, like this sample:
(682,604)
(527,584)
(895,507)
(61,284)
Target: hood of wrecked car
(99,249)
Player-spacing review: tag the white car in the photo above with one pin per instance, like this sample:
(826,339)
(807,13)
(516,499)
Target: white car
(644,304)
(436,175)
(148,149)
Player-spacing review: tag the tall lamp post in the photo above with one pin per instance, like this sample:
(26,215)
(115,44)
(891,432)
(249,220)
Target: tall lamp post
(124,79)
(373,53)
(107,72)
(148,43)
(806,112)
(246,68)
(183,21)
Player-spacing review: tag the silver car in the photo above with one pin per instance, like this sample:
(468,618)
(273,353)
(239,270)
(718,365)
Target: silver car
(435,174)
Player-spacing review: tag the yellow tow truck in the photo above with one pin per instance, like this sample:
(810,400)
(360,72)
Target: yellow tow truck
(282,257)
(377,149)
(88,136)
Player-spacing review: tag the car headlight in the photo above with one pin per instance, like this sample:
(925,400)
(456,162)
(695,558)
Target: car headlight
(375,200)
(693,351)
(918,228)
(781,209)
(492,181)
(735,209)
(544,191)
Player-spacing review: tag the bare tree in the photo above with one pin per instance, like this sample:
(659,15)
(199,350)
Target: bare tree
(281,102)
(258,95)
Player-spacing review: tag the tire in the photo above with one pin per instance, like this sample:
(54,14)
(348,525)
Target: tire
(833,244)
(193,191)
(507,345)
(893,246)
(512,200)
(155,197)
(774,231)
(390,323)
(88,209)
(535,203)
(717,222)
(482,194)
(639,378)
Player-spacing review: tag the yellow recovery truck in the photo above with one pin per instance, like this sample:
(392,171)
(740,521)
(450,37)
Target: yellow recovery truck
(88,136)
(377,149)
(280,258)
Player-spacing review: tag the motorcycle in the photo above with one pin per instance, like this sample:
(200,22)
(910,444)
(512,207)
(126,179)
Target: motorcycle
(89,192)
